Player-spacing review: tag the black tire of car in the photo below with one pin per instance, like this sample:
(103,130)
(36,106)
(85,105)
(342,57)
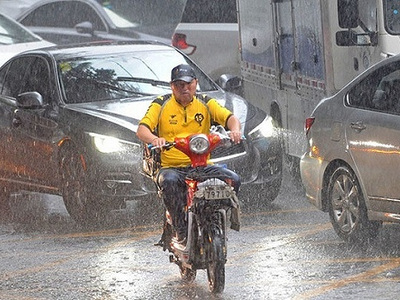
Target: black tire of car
(216,256)
(76,191)
(264,193)
(272,189)
(347,209)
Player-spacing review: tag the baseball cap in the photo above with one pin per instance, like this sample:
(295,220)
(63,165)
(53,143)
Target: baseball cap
(182,72)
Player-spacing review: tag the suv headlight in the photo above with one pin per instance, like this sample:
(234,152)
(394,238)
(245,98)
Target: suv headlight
(265,129)
(199,144)
(110,144)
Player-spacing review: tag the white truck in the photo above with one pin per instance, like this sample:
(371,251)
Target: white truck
(296,52)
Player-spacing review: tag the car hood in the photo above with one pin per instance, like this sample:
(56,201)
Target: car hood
(129,112)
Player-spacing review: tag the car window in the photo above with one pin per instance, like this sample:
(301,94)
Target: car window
(96,79)
(361,95)
(380,90)
(25,74)
(11,80)
(145,12)
(387,95)
(54,15)
(38,79)
(10,87)
(155,17)
(206,11)
(120,76)
(11,33)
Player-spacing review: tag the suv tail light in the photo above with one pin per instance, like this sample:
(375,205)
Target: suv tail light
(179,41)
(309,122)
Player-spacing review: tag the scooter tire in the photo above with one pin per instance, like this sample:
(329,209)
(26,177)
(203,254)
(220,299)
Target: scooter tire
(216,264)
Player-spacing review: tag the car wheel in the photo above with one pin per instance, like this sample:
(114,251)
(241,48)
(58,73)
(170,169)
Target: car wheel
(347,208)
(260,194)
(267,192)
(76,191)
(264,193)
(271,191)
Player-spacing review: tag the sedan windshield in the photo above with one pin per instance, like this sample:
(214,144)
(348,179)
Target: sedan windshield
(121,76)
(12,33)
(158,17)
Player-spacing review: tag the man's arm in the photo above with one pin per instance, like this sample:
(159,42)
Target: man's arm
(233,125)
(145,135)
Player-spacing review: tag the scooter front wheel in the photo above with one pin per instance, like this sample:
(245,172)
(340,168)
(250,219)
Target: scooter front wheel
(216,264)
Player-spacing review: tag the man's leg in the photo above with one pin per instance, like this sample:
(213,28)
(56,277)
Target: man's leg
(225,172)
(173,187)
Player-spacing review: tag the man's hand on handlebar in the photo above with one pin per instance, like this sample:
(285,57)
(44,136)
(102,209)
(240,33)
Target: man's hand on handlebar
(236,136)
(158,142)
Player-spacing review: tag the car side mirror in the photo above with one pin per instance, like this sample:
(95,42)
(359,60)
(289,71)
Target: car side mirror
(32,100)
(352,38)
(230,83)
(85,27)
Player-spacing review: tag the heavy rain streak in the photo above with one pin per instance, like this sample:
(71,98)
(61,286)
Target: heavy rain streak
(315,93)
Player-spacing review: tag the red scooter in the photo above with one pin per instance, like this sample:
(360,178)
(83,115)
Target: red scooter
(209,201)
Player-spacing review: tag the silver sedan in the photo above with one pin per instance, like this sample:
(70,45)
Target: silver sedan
(351,167)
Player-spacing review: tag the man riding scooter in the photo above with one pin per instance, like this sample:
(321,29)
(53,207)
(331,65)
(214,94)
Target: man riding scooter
(177,115)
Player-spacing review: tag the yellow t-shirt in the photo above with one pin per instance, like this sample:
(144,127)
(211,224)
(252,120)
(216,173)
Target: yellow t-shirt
(170,119)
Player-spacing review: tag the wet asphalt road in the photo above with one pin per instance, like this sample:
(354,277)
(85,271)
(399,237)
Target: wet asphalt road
(287,250)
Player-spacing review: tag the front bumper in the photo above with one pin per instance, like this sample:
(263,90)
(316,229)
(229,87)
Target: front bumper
(116,178)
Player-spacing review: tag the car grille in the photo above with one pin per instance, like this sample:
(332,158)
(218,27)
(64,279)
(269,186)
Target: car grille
(234,149)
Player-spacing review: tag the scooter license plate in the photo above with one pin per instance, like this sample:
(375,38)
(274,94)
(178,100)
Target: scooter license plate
(216,193)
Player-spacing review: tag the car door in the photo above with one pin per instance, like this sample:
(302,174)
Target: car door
(373,136)
(55,22)
(29,155)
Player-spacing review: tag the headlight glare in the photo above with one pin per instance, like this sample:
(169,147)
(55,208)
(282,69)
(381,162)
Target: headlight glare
(265,129)
(110,144)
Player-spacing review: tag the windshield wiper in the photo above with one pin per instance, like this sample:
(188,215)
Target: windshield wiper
(116,88)
(144,80)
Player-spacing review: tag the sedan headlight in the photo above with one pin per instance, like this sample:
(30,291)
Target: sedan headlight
(265,129)
(199,144)
(109,144)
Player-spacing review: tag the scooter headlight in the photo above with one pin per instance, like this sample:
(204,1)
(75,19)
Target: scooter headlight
(199,144)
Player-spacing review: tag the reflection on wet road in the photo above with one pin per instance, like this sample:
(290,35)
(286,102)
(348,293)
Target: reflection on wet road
(287,250)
